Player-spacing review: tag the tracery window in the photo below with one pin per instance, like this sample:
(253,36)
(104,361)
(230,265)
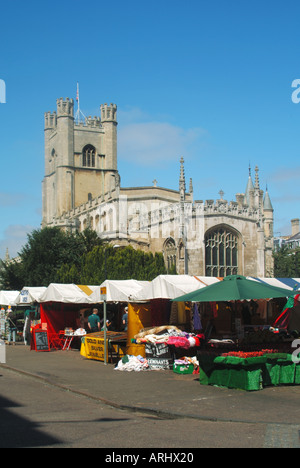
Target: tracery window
(170,254)
(88,156)
(221,253)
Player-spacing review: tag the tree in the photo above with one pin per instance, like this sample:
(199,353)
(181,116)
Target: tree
(107,262)
(287,263)
(45,256)
(54,256)
(11,275)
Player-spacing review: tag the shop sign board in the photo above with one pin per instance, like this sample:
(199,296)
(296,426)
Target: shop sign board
(158,356)
(94,348)
(156,363)
(103,294)
(41,342)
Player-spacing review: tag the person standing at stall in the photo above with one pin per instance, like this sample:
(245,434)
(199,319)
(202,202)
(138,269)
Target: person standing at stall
(94,323)
(12,328)
(2,323)
(125,319)
(28,316)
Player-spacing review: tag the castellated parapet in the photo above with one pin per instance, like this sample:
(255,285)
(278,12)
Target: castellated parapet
(50,120)
(89,122)
(65,107)
(108,113)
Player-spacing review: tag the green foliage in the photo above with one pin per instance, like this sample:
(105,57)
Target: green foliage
(45,257)
(287,263)
(107,262)
(11,276)
(54,256)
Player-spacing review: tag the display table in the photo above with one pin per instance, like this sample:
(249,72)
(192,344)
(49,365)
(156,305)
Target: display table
(92,345)
(69,338)
(249,374)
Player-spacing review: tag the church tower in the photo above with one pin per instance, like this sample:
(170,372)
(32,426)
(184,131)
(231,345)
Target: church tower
(80,159)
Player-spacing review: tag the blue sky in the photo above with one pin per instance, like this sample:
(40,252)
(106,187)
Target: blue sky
(209,81)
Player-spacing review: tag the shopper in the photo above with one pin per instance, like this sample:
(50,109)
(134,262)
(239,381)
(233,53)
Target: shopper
(94,323)
(12,328)
(125,319)
(28,316)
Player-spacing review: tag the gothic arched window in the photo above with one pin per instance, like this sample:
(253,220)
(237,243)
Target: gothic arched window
(88,156)
(170,253)
(221,252)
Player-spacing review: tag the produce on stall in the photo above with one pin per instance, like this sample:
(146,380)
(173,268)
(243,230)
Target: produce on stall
(241,367)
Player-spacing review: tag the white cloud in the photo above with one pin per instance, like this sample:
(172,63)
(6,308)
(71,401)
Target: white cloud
(148,143)
(284,174)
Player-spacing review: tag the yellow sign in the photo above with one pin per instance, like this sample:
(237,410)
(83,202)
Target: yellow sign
(94,348)
(103,293)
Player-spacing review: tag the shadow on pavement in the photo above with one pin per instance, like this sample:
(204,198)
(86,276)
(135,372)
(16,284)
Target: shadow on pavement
(16,431)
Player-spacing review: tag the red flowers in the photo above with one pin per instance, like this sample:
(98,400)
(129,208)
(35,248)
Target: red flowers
(245,355)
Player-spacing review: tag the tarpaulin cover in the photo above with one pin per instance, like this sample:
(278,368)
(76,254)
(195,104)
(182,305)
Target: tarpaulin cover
(276,282)
(59,316)
(118,290)
(139,317)
(248,374)
(29,295)
(169,287)
(67,293)
(8,297)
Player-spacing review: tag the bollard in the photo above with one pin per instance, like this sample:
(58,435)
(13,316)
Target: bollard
(2,352)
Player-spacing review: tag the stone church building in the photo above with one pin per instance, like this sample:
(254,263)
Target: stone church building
(81,188)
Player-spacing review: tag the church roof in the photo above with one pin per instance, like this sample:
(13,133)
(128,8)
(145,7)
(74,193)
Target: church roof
(294,237)
(249,188)
(267,201)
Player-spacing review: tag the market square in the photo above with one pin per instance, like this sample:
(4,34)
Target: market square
(209,416)
(140,373)
(150,233)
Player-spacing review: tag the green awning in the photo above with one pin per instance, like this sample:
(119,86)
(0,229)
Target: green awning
(235,288)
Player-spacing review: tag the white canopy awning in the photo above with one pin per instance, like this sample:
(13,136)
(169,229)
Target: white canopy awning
(67,293)
(272,282)
(8,298)
(207,280)
(168,287)
(30,294)
(118,290)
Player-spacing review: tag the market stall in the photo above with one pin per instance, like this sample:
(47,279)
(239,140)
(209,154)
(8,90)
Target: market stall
(7,302)
(289,319)
(62,308)
(233,361)
(159,329)
(249,371)
(117,294)
(27,303)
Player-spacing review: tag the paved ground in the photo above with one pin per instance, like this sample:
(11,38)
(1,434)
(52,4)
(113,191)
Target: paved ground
(268,418)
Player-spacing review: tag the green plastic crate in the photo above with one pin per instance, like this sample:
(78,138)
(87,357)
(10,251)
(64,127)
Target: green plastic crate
(183,368)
